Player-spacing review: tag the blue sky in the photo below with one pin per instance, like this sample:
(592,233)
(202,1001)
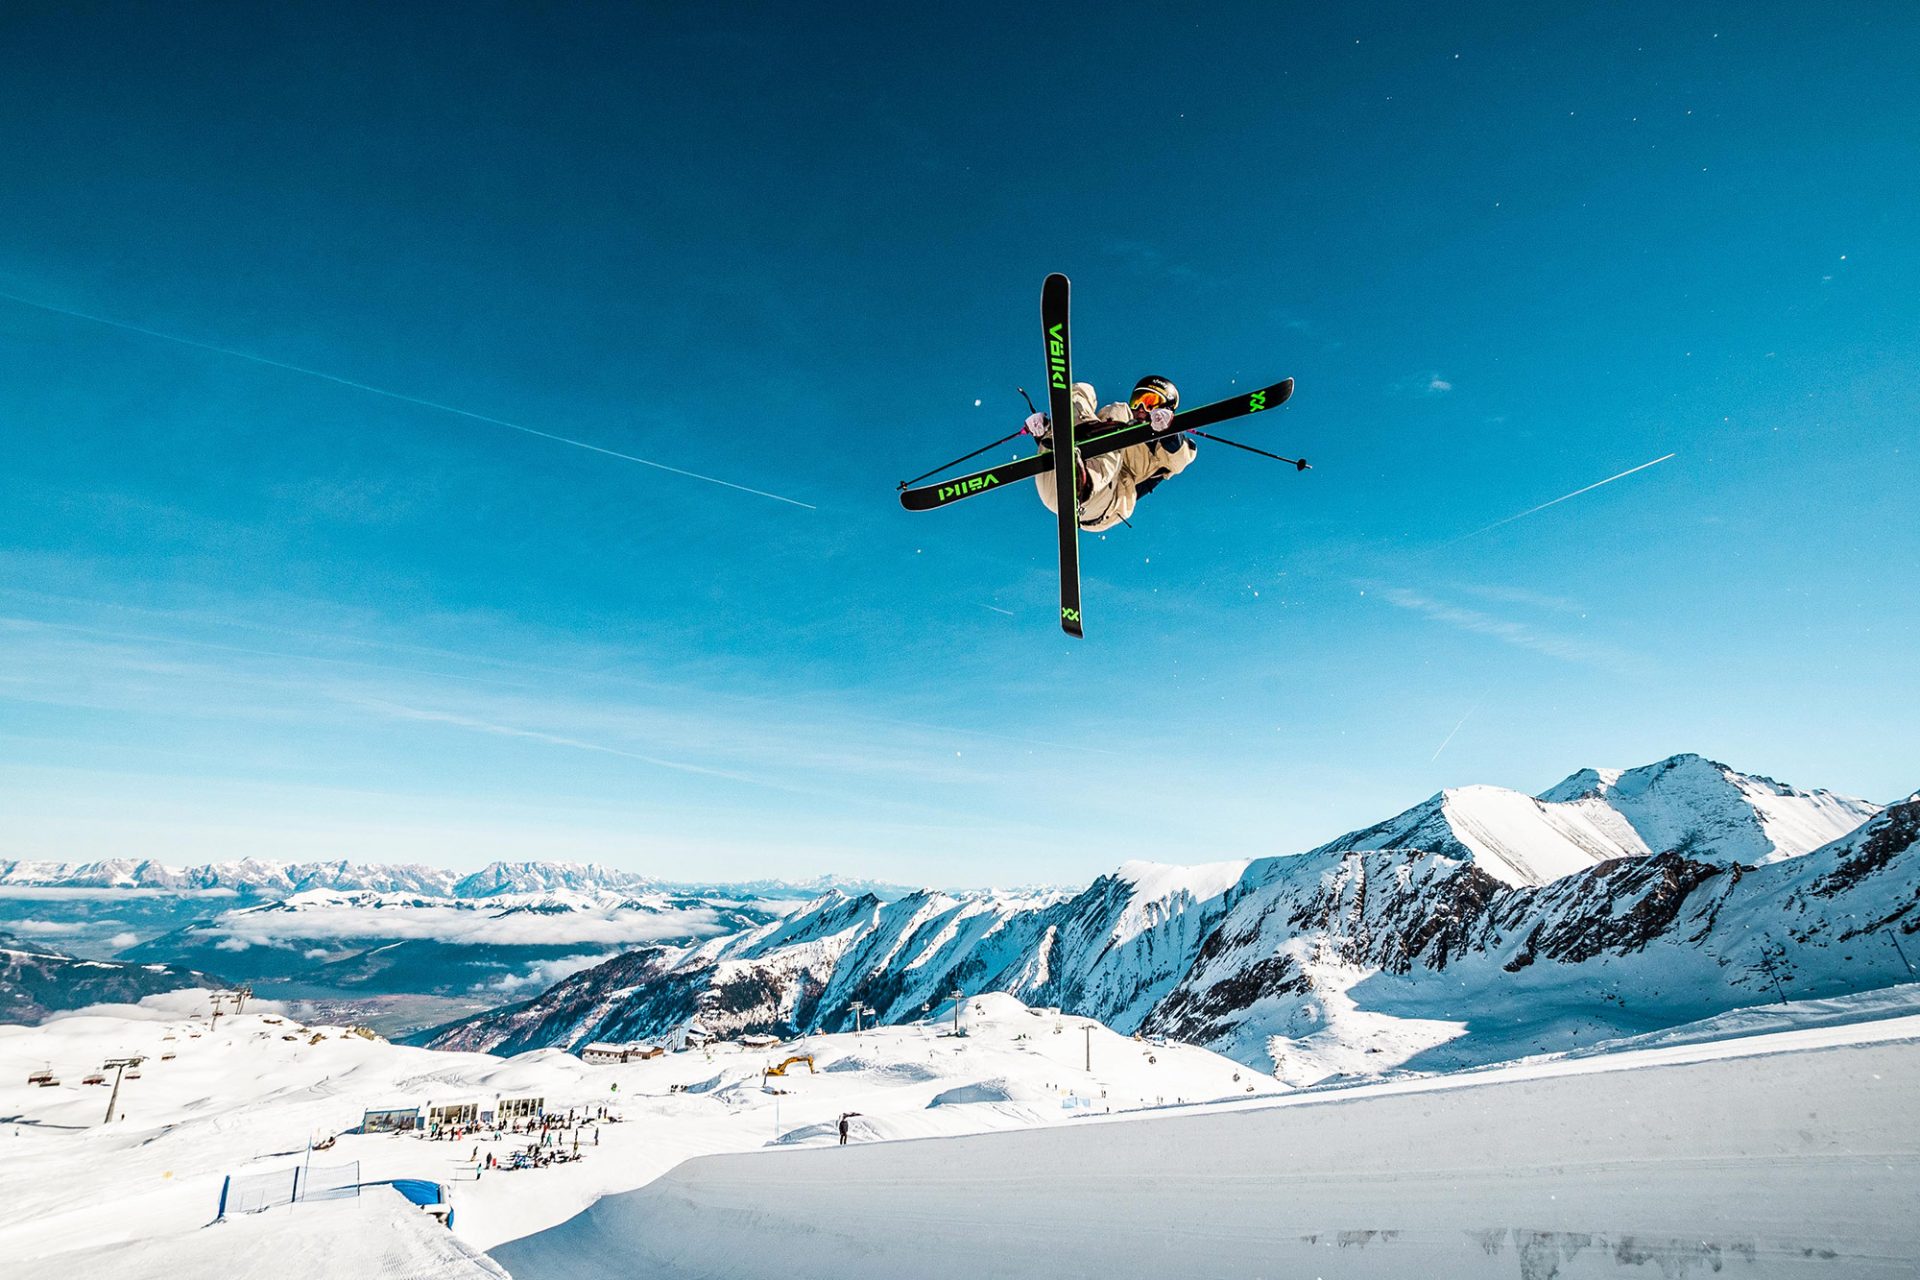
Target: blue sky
(248,610)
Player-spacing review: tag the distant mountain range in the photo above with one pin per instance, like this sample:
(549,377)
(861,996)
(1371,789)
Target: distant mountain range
(257,878)
(1478,925)
(253,877)
(337,929)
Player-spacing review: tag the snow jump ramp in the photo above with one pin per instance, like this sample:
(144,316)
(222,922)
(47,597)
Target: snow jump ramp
(1776,1164)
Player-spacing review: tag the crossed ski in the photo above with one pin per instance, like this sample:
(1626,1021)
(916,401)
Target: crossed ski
(945,492)
(1060,459)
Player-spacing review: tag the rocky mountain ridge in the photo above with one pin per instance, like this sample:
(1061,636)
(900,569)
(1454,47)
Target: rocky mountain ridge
(1371,952)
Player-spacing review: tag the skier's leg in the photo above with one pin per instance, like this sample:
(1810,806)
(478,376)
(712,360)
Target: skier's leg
(1092,471)
(1132,473)
(1111,497)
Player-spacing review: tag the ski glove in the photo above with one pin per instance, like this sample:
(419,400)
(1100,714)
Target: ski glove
(1038,426)
(1161,418)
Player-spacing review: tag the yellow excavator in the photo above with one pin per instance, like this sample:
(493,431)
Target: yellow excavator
(782,1068)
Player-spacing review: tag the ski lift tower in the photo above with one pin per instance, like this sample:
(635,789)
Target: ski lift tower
(218,998)
(119,1068)
(959,998)
(858,1008)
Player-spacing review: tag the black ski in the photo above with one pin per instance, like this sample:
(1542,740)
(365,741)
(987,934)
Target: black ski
(1066,477)
(945,492)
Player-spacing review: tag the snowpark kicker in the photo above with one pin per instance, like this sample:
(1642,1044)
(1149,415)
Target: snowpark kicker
(1788,1155)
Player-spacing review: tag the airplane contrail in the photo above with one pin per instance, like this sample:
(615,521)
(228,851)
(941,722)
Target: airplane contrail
(398,395)
(1449,738)
(1563,497)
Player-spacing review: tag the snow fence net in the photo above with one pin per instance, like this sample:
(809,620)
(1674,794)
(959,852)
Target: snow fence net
(331,1182)
(254,1192)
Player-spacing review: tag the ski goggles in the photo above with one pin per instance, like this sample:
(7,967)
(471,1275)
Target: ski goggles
(1149,399)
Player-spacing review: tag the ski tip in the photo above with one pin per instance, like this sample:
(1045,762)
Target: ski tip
(1070,622)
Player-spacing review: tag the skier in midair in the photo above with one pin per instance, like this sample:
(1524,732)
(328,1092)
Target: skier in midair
(1112,483)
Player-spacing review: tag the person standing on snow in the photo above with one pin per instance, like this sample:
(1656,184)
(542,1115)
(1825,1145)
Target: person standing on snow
(1112,483)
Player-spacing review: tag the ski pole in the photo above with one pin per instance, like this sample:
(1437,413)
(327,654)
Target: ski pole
(1299,464)
(957,461)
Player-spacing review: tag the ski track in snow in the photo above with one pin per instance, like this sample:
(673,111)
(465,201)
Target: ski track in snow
(1788,1155)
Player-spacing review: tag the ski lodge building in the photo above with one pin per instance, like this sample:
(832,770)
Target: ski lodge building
(600,1053)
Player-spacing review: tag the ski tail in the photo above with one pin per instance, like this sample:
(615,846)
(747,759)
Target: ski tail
(1066,479)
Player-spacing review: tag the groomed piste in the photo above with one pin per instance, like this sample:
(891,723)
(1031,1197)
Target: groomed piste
(1784,1155)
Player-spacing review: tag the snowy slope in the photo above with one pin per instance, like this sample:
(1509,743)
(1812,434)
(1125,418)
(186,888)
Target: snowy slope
(1670,1162)
(85,1198)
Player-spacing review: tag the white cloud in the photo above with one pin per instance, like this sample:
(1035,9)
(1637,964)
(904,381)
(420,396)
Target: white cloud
(471,924)
(168,1006)
(121,941)
(540,976)
(1522,596)
(1437,384)
(1518,634)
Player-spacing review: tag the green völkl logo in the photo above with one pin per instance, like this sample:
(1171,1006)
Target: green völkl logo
(1256,402)
(961,488)
(1057,356)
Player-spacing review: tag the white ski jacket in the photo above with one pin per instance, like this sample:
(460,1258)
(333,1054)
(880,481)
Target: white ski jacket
(1117,478)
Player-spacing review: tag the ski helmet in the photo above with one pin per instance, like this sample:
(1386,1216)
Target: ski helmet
(1154,392)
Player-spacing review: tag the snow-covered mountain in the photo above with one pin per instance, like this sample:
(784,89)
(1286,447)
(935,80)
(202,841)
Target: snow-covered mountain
(1686,803)
(36,981)
(1482,924)
(251,877)
(256,879)
(1107,952)
(1339,963)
